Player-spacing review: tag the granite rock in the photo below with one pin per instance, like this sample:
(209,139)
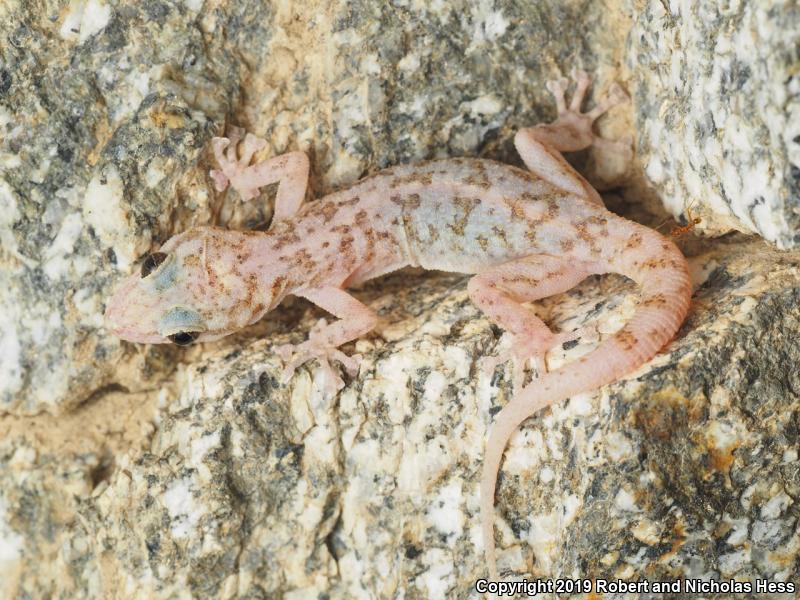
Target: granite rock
(718,112)
(104,109)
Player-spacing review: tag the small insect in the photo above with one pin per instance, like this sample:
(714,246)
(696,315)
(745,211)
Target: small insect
(684,229)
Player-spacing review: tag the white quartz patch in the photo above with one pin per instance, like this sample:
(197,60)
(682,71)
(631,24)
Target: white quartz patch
(203,445)
(84,19)
(446,511)
(103,209)
(181,507)
(9,214)
(11,543)
(10,349)
(488,23)
(775,506)
(436,580)
(59,254)
(624,500)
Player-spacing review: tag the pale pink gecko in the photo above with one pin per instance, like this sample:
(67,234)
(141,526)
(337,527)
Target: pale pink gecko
(525,235)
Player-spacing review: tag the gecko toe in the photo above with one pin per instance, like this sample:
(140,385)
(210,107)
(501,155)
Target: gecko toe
(220,180)
(296,355)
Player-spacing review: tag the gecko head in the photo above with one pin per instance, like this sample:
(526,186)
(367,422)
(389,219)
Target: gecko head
(198,287)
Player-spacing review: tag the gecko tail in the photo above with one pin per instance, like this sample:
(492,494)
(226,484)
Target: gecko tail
(658,266)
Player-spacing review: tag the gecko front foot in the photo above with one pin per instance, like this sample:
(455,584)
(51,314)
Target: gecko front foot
(572,129)
(317,347)
(235,169)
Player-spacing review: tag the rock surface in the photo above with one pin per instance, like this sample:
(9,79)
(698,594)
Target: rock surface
(169,473)
(718,112)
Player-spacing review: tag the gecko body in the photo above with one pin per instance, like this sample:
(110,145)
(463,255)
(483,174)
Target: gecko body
(524,235)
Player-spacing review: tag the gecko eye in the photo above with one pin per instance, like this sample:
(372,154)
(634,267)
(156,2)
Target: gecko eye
(152,262)
(183,338)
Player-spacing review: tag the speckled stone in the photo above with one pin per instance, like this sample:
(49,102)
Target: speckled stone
(718,111)
(104,108)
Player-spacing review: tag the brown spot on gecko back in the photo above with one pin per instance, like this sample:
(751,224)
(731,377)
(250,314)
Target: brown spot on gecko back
(420,177)
(501,234)
(361,217)
(478,177)
(277,286)
(656,263)
(521,174)
(583,233)
(467,205)
(516,208)
(328,211)
(626,339)
(303,259)
(567,244)
(658,300)
(346,244)
(290,237)
(257,310)
(634,241)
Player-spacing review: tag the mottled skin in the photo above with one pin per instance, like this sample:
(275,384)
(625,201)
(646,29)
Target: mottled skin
(525,235)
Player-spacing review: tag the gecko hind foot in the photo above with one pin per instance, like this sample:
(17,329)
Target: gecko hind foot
(236,169)
(572,129)
(531,350)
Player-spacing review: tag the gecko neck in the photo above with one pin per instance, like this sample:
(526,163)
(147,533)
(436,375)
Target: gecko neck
(273,256)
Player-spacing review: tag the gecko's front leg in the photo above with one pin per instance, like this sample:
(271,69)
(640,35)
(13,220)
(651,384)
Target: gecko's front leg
(355,319)
(289,170)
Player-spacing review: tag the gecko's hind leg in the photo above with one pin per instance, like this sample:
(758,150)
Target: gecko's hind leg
(289,170)
(572,129)
(540,147)
(500,291)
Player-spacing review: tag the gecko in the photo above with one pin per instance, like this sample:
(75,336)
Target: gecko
(523,235)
